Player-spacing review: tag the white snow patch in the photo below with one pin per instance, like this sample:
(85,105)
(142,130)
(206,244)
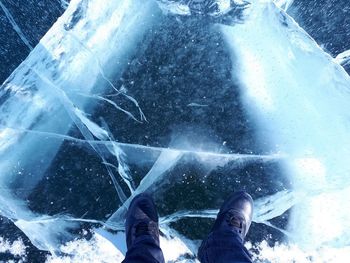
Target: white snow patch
(16,248)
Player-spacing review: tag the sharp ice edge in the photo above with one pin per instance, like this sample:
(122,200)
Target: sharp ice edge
(64,4)
(284,4)
(15,26)
(343,58)
(41,230)
(42,235)
(110,143)
(165,161)
(275,205)
(208,213)
(285,232)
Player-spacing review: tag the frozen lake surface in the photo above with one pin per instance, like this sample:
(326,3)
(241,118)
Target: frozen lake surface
(187,100)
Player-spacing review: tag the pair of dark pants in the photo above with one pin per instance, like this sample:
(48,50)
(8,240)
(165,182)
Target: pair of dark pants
(220,247)
(223,247)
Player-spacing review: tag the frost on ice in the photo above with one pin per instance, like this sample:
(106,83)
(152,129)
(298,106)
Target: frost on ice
(186,100)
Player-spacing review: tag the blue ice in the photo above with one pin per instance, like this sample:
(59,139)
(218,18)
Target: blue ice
(297,95)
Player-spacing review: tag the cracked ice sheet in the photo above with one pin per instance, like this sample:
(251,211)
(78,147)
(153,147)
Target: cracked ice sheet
(157,172)
(299,98)
(35,226)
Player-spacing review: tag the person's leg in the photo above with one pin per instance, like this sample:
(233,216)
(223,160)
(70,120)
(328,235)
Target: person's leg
(142,231)
(225,241)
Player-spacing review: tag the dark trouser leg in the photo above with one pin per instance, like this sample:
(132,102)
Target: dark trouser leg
(144,250)
(223,247)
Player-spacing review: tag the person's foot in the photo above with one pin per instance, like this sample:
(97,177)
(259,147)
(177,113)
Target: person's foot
(141,219)
(235,214)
